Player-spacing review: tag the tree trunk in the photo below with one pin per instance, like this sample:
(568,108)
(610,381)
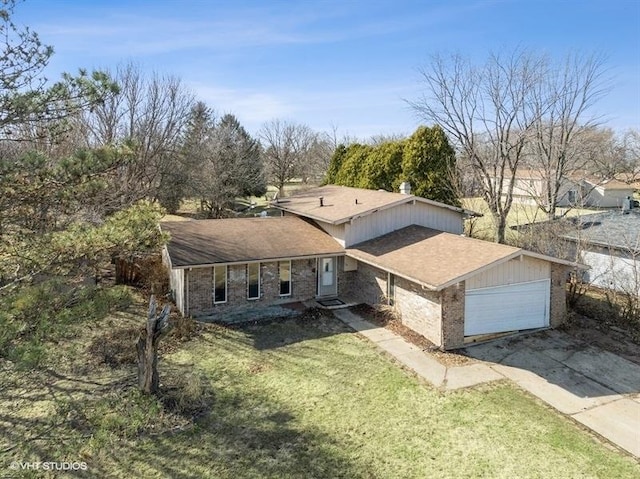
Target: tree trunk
(147,347)
(501,229)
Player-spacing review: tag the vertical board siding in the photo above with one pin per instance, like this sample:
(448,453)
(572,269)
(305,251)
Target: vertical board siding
(176,284)
(612,272)
(392,219)
(176,281)
(436,217)
(337,232)
(514,271)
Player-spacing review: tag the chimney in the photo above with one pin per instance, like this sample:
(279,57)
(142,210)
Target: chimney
(356,201)
(405,188)
(321,201)
(627,204)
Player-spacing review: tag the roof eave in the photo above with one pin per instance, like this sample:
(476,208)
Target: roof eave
(601,244)
(345,219)
(258,260)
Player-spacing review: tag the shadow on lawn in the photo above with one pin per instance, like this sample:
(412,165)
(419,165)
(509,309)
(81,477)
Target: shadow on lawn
(234,432)
(312,324)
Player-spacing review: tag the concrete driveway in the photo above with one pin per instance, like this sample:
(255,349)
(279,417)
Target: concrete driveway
(596,388)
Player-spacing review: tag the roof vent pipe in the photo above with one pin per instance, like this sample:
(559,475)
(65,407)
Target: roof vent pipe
(321,201)
(405,188)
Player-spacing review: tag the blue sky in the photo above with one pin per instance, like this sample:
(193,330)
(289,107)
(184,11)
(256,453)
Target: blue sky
(349,64)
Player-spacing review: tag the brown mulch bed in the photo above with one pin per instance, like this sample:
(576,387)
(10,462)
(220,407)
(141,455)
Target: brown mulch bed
(384,317)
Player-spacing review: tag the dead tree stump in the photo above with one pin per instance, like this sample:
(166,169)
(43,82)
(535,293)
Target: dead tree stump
(157,327)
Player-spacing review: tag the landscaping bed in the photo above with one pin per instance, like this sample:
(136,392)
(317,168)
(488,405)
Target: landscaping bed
(385,317)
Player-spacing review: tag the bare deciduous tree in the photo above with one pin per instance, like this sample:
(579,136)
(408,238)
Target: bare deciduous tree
(158,325)
(286,147)
(514,109)
(487,112)
(149,115)
(562,99)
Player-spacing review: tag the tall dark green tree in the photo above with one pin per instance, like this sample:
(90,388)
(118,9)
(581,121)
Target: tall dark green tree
(383,167)
(426,160)
(178,183)
(353,165)
(339,154)
(224,160)
(429,165)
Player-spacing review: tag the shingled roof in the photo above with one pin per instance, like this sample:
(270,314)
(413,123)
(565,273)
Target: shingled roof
(609,229)
(436,259)
(342,203)
(237,240)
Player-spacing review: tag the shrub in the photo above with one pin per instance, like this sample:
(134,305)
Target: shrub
(49,311)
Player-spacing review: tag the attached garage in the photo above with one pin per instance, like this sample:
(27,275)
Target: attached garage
(450,288)
(510,307)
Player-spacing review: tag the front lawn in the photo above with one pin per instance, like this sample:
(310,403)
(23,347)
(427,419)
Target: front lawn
(296,398)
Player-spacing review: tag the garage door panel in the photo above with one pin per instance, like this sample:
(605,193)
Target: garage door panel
(507,308)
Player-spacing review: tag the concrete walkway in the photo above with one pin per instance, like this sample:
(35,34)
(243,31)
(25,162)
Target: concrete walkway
(414,358)
(597,389)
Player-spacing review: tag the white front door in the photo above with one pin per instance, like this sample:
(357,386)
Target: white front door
(327,284)
(507,308)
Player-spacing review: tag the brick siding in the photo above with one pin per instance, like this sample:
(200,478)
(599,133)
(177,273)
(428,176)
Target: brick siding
(558,300)
(419,309)
(200,286)
(453,316)
(368,284)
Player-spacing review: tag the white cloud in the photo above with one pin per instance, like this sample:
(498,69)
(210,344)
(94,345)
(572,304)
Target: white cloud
(252,107)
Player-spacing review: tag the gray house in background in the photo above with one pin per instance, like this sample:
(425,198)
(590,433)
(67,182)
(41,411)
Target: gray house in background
(609,243)
(367,246)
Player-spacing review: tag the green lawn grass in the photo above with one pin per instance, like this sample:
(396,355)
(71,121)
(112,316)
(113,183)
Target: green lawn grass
(287,399)
(520,214)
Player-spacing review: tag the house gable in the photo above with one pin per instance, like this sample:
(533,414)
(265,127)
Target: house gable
(354,215)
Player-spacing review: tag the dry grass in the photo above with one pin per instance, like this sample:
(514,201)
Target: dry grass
(520,214)
(301,397)
(386,317)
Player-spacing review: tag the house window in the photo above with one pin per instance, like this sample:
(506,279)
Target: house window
(220,284)
(284,268)
(253,281)
(391,289)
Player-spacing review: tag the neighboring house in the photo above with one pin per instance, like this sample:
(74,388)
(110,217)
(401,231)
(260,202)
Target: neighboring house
(368,246)
(605,193)
(631,179)
(609,243)
(530,187)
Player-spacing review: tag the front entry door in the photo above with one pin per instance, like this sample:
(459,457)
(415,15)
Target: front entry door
(327,284)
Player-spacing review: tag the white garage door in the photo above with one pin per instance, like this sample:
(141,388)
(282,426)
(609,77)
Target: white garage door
(507,308)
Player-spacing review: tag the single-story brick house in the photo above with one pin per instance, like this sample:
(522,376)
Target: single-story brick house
(373,247)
